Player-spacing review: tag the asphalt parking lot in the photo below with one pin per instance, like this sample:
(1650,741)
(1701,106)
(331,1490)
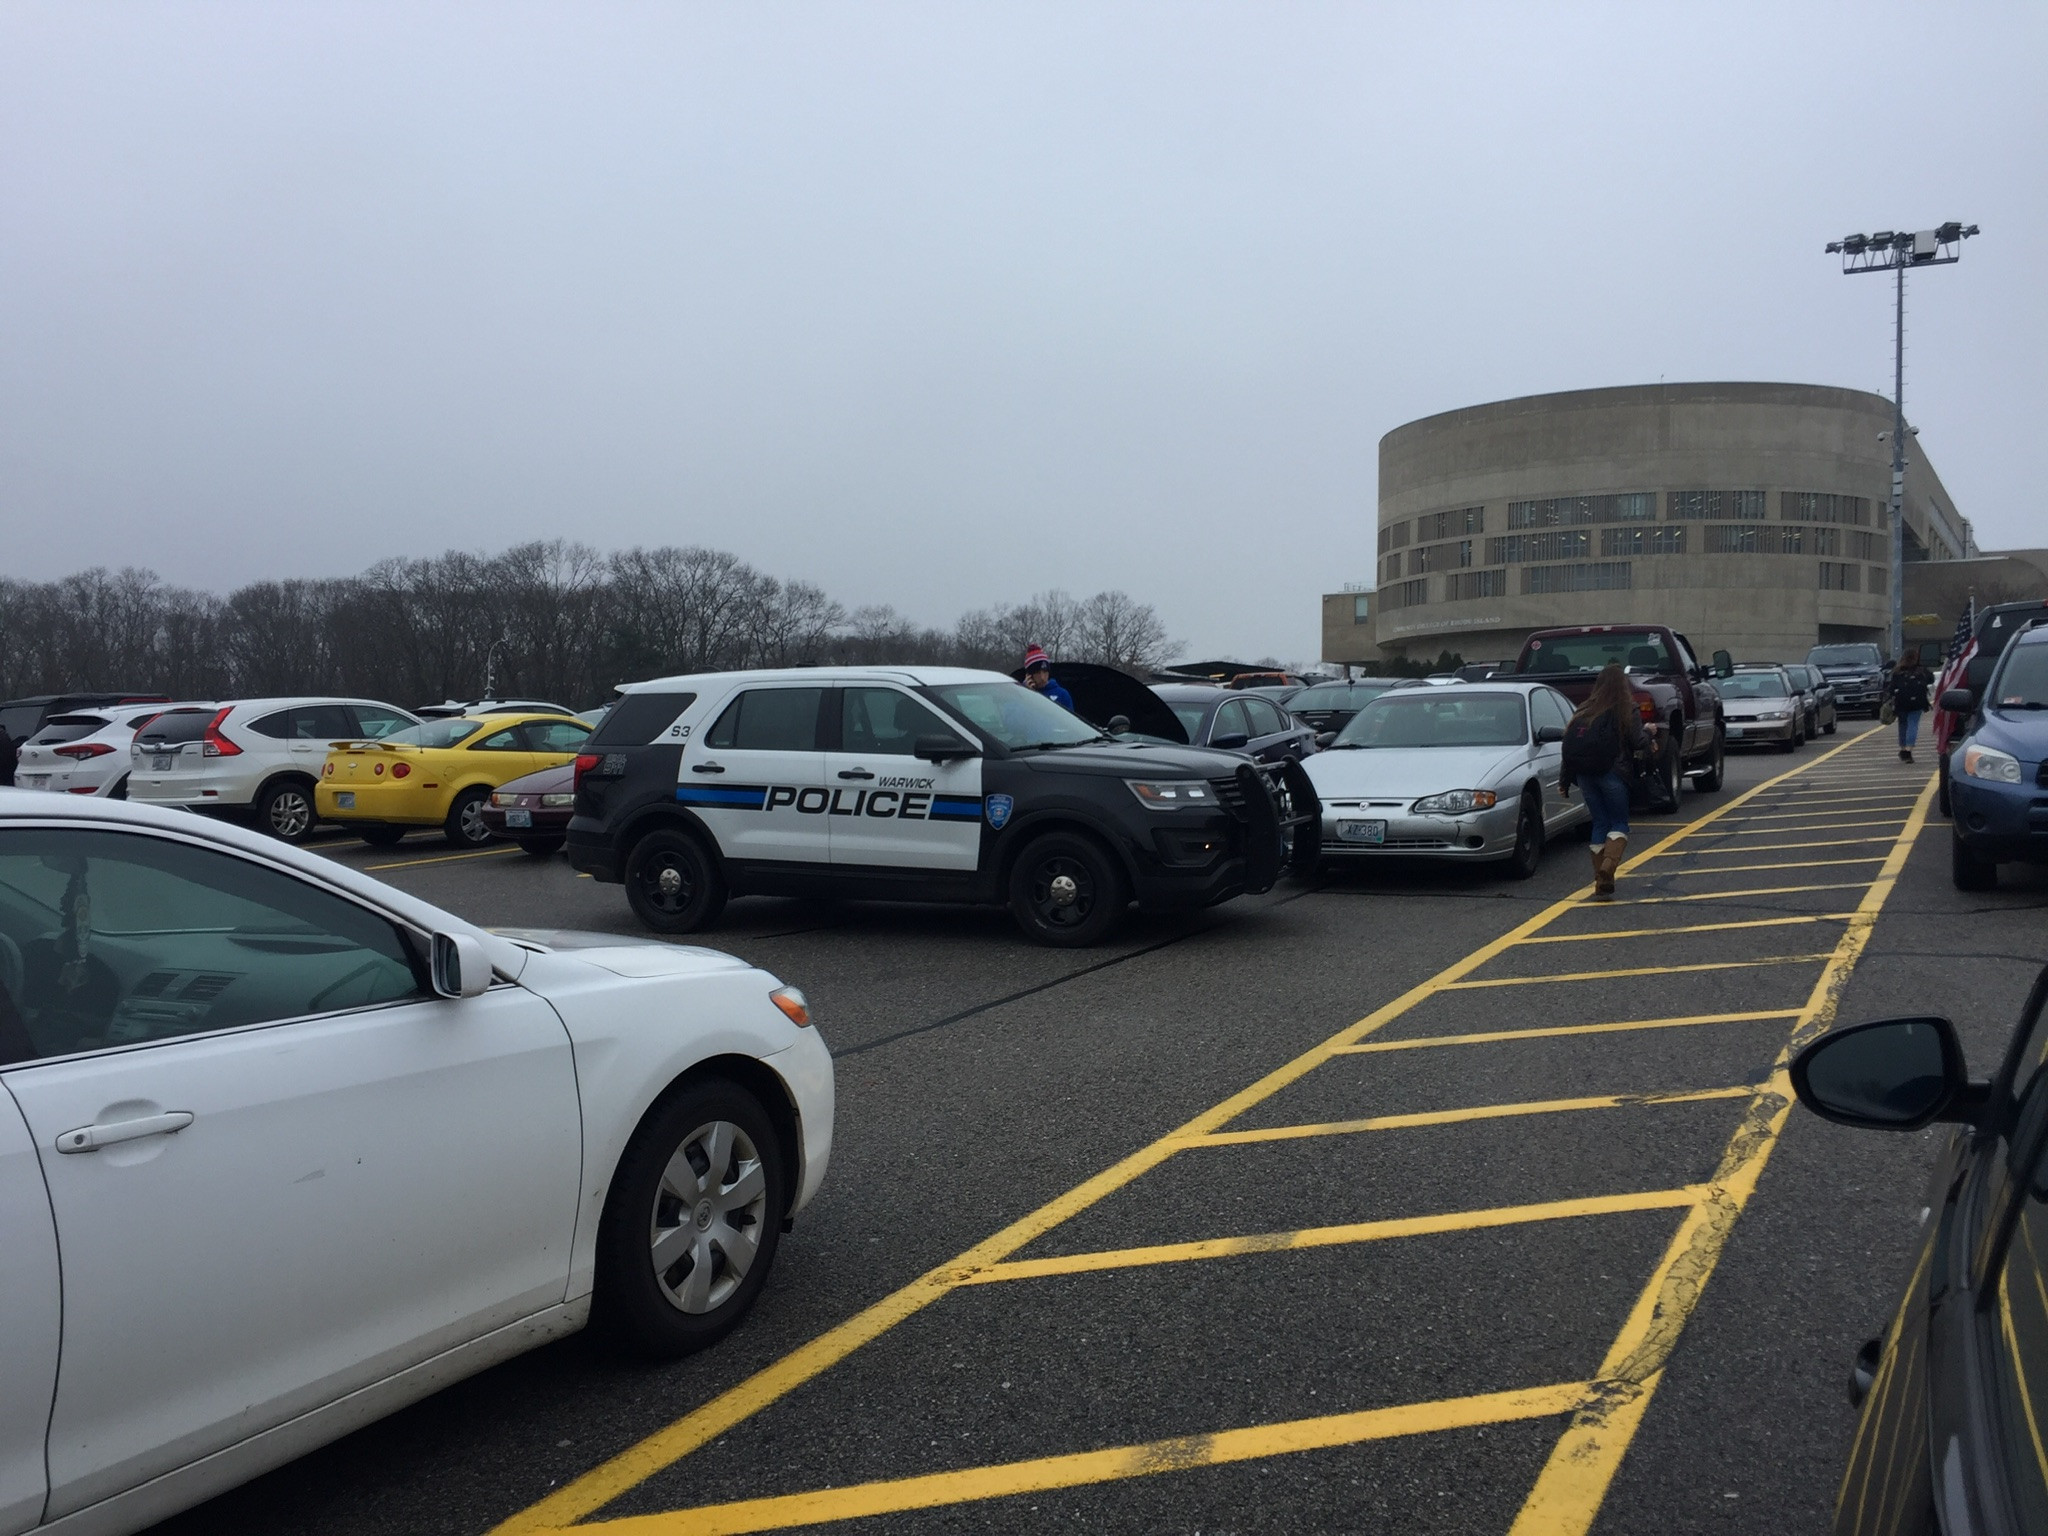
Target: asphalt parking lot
(1415,1199)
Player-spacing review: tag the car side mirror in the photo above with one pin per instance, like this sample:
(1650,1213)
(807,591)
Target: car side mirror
(461,965)
(1888,1075)
(1546,734)
(1959,701)
(1119,725)
(1324,738)
(1230,741)
(1724,664)
(942,749)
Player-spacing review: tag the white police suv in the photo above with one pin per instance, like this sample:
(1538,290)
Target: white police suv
(915,784)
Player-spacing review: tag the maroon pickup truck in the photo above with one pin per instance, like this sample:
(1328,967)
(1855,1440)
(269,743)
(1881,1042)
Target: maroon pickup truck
(1674,692)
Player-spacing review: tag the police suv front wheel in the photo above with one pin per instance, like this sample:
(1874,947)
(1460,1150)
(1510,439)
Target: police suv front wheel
(1066,890)
(672,883)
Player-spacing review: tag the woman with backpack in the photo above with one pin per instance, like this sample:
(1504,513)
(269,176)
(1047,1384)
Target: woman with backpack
(1908,691)
(1600,745)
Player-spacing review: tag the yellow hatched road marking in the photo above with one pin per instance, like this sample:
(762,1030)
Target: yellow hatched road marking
(1819,820)
(1762,890)
(1736,869)
(1082,1468)
(1838,842)
(1638,970)
(1907,794)
(1330,1237)
(1575,1479)
(1646,933)
(1555,1031)
(1427,1117)
(583,1497)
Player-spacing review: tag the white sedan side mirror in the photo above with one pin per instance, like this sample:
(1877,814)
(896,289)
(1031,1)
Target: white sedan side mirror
(461,966)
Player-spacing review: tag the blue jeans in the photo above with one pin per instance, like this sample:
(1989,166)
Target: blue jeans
(1909,728)
(1607,798)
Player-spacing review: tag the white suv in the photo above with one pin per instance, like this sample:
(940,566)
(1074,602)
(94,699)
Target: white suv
(259,756)
(85,751)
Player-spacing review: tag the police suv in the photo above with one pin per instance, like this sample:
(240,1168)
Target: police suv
(914,784)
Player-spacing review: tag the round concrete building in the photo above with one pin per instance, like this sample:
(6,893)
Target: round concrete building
(1751,517)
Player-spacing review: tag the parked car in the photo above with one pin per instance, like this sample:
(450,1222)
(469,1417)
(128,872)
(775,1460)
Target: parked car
(1994,629)
(86,753)
(1237,722)
(452,709)
(253,757)
(1827,713)
(1951,1395)
(22,718)
(1481,671)
(1856,672)
(1998,765)
(1327,708)
(283,1149)
(534,810)
(1804,705)
(1761,707)
(440,773)
(1675,694)
(1469,774)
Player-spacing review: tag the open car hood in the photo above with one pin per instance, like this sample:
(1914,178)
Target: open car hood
(1102,693)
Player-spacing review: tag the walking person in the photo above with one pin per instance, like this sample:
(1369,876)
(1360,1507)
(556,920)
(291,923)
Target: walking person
(1600,745)
(1909,689)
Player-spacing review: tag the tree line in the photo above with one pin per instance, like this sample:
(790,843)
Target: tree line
(553,620)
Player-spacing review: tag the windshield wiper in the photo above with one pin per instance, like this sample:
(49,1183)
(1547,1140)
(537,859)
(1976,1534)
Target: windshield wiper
(1054,746)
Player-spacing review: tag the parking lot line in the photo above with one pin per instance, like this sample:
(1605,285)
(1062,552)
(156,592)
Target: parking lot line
(1330,1237)
(1575,1479)
(1839,842)
(1637,970)
(1658,933)
(1427,1117)
(1004,1479)
(1733,869)
(1817,820)
(574,1504)
(1557,1031)
(1762,890)
(444,858)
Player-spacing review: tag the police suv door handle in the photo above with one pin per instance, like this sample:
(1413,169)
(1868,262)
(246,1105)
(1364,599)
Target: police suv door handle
(855,773)
(707,768)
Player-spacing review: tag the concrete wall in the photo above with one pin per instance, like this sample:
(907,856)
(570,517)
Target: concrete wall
(1658,439)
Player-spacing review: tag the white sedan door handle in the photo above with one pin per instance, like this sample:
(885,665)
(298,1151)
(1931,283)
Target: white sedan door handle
(89,1138)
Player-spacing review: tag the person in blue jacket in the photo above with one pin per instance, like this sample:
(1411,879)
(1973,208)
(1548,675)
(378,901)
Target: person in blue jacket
(1038,675)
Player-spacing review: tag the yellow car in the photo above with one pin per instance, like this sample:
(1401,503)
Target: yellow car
(439,773)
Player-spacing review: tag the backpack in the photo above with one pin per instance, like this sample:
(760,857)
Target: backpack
(1591,747)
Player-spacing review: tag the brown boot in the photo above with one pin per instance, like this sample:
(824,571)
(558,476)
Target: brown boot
(1605,863)
(1601,887)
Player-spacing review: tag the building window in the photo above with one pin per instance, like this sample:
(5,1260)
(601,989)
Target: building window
(1861,545)
(1746,505)
(1563,511)
(1563,544)
(1823,507)
(1667,541)
(1386,540)
(1791,541)
(1731,539)
(1391,569)
(1828,541)
(1464,552)
(1876,579)
(1406,594)
(1576,578)
(1835,577)
(1443,525)
(1361,609)
(1427,558)
(1463,585)
(1399,534)
(1642,541)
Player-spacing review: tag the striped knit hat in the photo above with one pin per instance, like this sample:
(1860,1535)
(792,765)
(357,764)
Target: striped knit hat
(1034,656)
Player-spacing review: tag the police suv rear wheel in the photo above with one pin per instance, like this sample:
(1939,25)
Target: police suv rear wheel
(1065,890)
(672,883)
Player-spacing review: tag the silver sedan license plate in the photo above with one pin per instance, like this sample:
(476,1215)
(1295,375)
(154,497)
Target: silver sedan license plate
(345,800)
(1362,831)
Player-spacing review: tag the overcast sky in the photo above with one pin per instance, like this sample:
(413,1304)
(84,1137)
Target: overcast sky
(939,305)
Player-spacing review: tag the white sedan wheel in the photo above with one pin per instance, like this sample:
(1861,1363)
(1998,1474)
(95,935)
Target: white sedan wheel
(710,1211)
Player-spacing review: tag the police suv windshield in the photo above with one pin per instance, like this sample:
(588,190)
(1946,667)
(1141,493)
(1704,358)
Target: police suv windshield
(1014,715)
(1438,719)
(1843,656)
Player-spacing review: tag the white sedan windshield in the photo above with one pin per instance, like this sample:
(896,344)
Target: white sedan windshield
(1439,719)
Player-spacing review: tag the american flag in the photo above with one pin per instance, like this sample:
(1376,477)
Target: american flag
(1962,646)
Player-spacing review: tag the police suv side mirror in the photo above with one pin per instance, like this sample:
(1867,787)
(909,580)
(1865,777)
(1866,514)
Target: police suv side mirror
(1959,701)
(942,749)
(1546,734)
(1889,1075)
(1230,741)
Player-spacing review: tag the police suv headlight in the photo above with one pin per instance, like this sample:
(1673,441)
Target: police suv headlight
(1992,764)
(1454,802)
(1171,794)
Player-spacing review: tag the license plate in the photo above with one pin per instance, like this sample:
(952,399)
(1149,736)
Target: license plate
(1362,831)
(159,765)
(519,818)
(34,780)
(345,800)
(1734,731)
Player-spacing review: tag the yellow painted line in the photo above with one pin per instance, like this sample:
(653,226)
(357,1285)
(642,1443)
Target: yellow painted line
(584,1496)
(1822,821)
(1755,922)
(1838,842)
(1907,795)
(1464,1116)
(1079,1470)
(445,858)
(1762,890)
(1332,1237)
(1556,1031)
(1581,1467)
(1736,869)
(1640,970)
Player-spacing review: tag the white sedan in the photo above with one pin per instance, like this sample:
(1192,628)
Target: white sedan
(283,1149)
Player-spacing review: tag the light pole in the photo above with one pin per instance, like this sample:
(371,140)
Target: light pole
(1893,251)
